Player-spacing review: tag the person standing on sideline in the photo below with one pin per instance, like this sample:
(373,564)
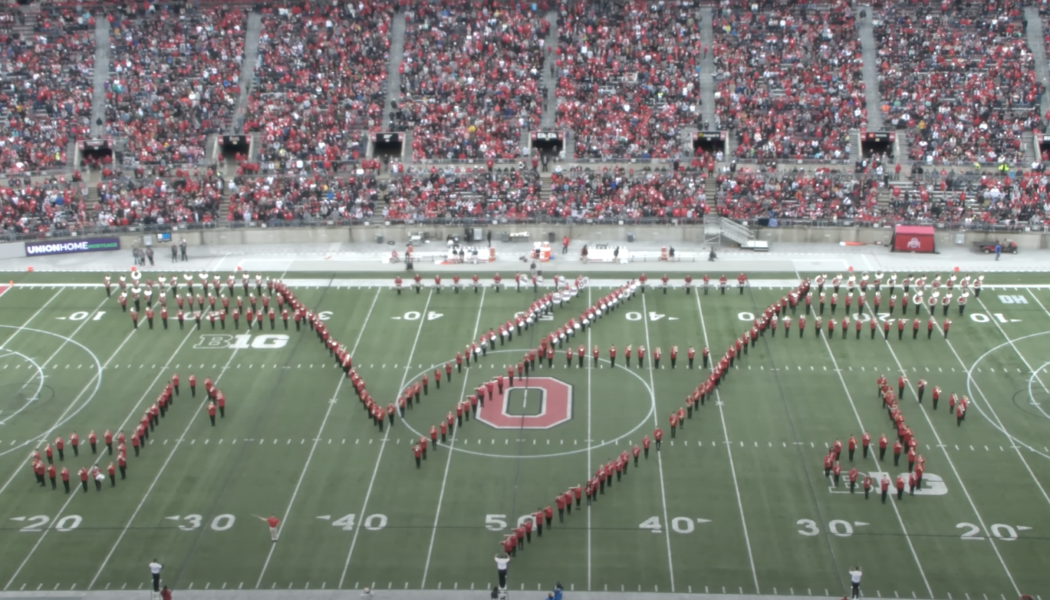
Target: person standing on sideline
(182,249)
(165,594)
(502,561)
(174,253)
(154,570)
(273,522)
(854,577)
(998,250)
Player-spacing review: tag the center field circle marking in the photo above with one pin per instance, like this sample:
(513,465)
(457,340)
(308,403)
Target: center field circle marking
(1031,393)
(584,448)
(977,405)
(82,403)
(5,417)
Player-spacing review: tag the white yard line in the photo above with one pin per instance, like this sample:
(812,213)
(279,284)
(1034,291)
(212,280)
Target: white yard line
(451,447)
(729,447)
(383,442)
(131,414)
(590,368)
(659,458)
(317,440)
(860,422)
(160,472)
(944,449)
(30,319)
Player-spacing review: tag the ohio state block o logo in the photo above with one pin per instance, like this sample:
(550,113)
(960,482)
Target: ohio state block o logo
(555,405)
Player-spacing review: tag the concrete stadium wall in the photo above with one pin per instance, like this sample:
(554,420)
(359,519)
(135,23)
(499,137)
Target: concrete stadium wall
(615,234)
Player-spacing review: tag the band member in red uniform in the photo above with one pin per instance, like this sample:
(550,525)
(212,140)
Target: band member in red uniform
(122,464)
(853,474)
(705,355)
(656,357)
(64,474)
(900,487)
(635,451)
(935,395)
(829,462)
(867,486)
(211,412)
(901,381)
(658,435)
(947,324)
(175,383)
(851,445)
(836,472)
(93,441)
(897,447)
(612,357)
(865,442)
(883,442)
(674,355)
(645,445)
(673,419)
(836,449)
(83,479)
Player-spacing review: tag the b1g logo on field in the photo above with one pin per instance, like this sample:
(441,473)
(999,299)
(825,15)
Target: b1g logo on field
(244,341)
(543,403)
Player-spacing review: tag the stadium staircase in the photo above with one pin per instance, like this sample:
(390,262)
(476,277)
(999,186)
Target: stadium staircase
(1037,44)
(248,66)
(707,69)
(548,81)
(99,78)
(393,75)
(870,68)
(903,148)
(716,228)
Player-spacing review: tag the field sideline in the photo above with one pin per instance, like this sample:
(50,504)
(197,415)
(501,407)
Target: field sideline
(737,502)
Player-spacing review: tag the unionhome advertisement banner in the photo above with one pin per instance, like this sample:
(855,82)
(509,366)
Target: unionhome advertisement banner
(72,246)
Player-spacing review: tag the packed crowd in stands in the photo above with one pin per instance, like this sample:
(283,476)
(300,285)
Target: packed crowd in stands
(50,206)
(174,78)
(45,88)
(470,78)
(789,82)
(956,80)
(619,193)
(321,81)
(273,198)
(190,197)
(975,199)
(822,195)
(464,192)
(629,76)
(962,83)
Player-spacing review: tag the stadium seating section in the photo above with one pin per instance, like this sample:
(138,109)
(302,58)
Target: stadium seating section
(956,80)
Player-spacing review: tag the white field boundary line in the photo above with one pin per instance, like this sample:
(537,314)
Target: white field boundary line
(451,448)
(590,367)
(988,404)
(729,446)
(97,377)
(878,463)
(65,341)
(944,449)
(134,410)
(659,458)
(388,282)
(382,445)
(317,440)
(30,319)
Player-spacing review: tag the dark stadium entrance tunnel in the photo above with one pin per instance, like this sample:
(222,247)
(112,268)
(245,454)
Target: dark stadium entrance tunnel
(96,152)
(709,142)
(873,143)
(387,146)
(551,146)
(233,146)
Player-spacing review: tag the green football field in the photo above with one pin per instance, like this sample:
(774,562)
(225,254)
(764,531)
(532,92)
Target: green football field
(735,503)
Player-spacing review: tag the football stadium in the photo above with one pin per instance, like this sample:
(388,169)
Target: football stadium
(423,300)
